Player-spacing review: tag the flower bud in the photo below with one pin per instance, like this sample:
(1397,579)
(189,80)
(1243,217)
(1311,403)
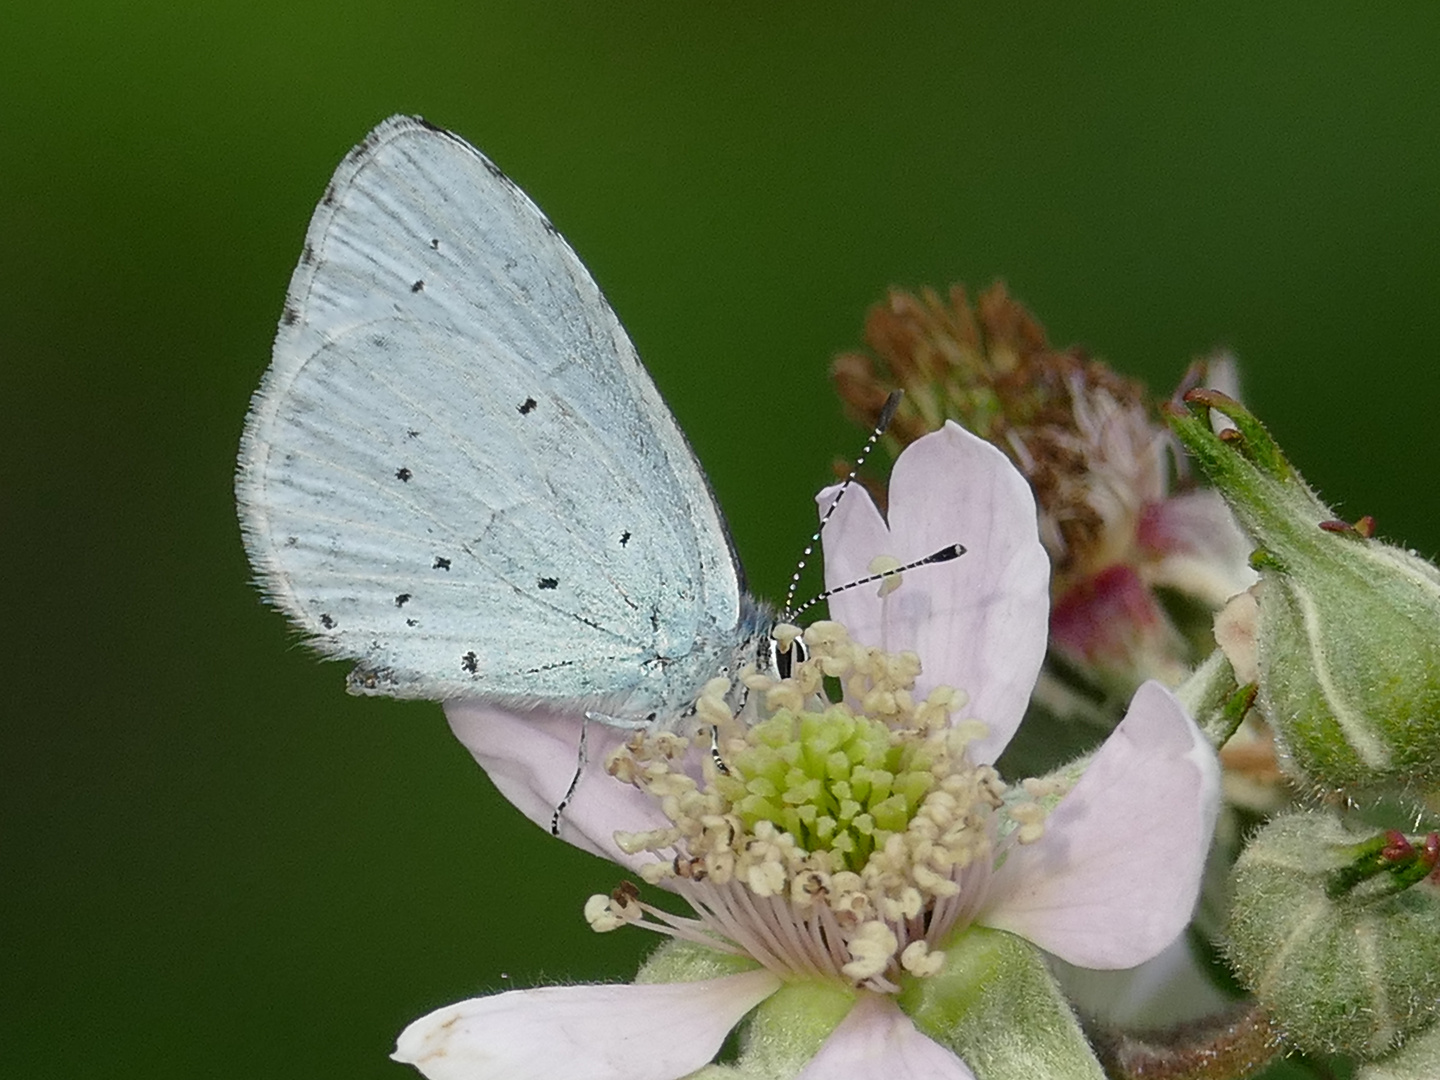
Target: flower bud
(1413,1061)
(1337,934)
(1344,637)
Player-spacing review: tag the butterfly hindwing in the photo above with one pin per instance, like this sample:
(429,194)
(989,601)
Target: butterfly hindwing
(457,472)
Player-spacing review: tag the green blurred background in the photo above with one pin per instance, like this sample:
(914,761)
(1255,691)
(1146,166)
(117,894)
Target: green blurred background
(215,863)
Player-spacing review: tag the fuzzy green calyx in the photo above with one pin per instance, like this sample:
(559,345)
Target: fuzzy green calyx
(1343,954)
(1413,1061)
(832,780)
(998,1008)
(1346,629)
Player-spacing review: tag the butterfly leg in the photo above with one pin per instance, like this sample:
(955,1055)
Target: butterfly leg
(574,780)
(580,756)
(715,751)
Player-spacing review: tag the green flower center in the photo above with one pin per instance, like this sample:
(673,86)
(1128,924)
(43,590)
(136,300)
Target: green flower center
(819,837)
(834,781)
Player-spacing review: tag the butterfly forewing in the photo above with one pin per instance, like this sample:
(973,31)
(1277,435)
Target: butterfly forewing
(456,470)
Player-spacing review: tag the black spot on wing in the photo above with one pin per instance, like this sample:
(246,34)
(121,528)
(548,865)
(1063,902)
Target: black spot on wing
(527,406)
(417,286)
(327,622)
(307,255)
(411,622)
(435,243)
(545,221)
(403,474)
(441,563)
(402,599)
(470,662)
(289,317)
(411,433)
(549,583)
(625,538)
(329,199)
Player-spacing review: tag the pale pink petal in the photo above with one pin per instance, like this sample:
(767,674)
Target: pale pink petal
(854,535)
(1112,621)
(1115,877)
(876,1041)
(978,622)
(1200,549)
(531,759)
(1176,987)
(657,1031)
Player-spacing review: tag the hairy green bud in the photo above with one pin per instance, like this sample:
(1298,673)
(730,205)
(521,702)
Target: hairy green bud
(1337,934)
(1416,1060)
(1346,629)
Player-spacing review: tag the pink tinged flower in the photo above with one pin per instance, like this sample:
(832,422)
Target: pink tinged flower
(1107,881)
(1190,542)
(1112,621)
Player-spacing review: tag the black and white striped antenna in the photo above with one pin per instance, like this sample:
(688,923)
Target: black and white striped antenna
(887,414)
(945,554)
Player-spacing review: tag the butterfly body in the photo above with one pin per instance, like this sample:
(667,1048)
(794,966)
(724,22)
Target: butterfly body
(456,471)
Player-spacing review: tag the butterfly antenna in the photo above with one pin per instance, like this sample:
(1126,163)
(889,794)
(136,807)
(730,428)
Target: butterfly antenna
(887,414)
(944,555)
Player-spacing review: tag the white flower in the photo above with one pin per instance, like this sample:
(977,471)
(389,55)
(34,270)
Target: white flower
(1106,880)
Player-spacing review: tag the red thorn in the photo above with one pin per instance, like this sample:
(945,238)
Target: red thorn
(1396,847)
(1364,528)
(1203,395)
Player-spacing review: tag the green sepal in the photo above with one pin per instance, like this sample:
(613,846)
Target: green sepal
(1347,632)
(785,1030)
(1418,1059)
(1214,698)
(789,1027)
(685,961)
(998,1009)
(1268,497)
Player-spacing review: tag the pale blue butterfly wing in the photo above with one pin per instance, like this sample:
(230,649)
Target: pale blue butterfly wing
(456,471)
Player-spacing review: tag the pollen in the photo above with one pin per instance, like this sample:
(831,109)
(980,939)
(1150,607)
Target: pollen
(840,839)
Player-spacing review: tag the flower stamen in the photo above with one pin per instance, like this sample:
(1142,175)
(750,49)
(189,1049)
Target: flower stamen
(844,841)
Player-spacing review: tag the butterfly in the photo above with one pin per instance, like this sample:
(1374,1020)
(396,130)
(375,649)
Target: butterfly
(457,474)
